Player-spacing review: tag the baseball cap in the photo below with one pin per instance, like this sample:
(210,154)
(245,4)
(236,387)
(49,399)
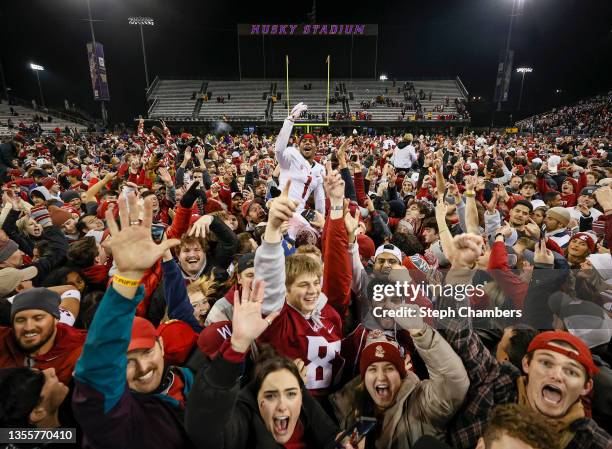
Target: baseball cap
(581,354)
(10,278)
(389,249)
(212,337)
(588,191)
(245,262)
(179,339)
(144,335)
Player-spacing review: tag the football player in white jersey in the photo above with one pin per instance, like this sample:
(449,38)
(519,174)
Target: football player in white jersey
(298,164)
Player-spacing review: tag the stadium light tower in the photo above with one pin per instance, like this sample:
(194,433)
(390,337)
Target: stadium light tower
(523,71)
(38,68)
(383,78)
(143,21)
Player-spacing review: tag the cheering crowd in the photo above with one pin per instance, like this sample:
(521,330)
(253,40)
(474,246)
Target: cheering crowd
(588,117)
(311,291)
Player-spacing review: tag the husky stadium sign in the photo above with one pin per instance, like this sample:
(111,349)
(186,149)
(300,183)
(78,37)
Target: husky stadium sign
(309,29)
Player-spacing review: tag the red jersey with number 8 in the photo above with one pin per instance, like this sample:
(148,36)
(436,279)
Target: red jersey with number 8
(296,337)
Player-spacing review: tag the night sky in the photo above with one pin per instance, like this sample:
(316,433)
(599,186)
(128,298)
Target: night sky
(567,42)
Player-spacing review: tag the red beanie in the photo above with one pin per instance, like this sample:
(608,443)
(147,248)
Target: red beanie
(585,238)
(379,349)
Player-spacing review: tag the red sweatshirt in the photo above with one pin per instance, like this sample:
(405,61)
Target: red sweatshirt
(512,286)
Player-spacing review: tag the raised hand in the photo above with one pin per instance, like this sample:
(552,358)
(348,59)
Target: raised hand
(542,254)
(505,230)
(334,186)
(297,110)
(491,205)
(604,197)
(470,183)
(318,221)
(134,251)
(532,229)
(164,174)
(351,223)
(8,197)
(281,210)
(301,366)
(201,227)
(187,155)
(247,322)
(441,210)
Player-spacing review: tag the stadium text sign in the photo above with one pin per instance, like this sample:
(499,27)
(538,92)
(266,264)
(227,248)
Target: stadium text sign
(257,29)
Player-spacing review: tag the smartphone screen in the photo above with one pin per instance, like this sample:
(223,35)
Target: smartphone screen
(157,232)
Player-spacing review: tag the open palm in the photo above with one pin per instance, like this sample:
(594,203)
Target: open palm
(247,322)
(132,247)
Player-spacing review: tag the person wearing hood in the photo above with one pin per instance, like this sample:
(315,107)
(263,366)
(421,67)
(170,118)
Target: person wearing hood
(404,155)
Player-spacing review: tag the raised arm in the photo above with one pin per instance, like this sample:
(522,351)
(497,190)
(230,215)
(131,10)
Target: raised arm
(269,257)
(95,189)
(285,133)
(101,370)
(336,268)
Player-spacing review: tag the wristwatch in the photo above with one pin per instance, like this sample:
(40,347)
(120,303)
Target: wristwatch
(336,207)
(499,234)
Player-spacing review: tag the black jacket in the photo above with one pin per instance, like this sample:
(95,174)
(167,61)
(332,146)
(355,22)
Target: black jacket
(54,256)
(221,415)
(8,152)
(221,253)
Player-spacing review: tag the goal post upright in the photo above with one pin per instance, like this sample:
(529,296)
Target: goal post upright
(308,125)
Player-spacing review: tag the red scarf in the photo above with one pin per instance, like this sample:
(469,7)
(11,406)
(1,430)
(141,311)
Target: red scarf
(96,274)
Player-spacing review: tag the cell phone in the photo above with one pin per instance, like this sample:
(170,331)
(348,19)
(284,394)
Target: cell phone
(362,426)
(157,232)
(308,214)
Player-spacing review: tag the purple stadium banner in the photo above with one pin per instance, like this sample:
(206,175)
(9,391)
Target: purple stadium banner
(309,29)
(97,69)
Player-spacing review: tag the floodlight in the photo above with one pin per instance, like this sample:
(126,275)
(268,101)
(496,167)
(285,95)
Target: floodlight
(383,78)
(36,67)
(524,70)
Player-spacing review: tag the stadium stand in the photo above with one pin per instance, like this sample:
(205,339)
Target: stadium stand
(26,116)
(591,116)
(174,98)
(265,100)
